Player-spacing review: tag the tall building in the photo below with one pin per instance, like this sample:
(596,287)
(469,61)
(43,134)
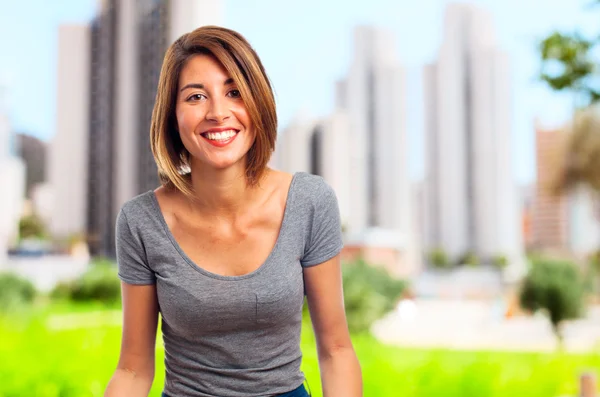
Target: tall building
(319,147)
(549,226)
(12,180)
(102,130)
(33,152)
(584,222)
(67,162)
(128,42)
(472,198)
(373,96)
(567,222)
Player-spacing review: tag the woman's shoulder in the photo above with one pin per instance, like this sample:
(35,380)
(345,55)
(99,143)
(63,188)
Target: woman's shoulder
(312,186)
(140,202)
(313,193)
(310,183)
(139,209)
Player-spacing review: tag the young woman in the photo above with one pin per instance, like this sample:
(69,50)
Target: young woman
(227,248)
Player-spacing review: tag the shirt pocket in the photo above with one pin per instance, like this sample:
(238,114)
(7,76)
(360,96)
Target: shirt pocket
(282,300)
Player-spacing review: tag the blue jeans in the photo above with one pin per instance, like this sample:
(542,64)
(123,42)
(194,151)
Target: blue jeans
(299,392)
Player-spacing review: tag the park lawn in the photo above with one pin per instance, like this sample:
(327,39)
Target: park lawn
(71,351)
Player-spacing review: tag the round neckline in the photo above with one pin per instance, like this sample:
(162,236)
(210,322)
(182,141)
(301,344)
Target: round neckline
(207,273)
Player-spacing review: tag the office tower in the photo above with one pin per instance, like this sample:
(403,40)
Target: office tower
(67,162)
(102,178)
(550,210)
(567,222)
(319,147)
(12,179)
(472,200)
(373,96)
(33,151)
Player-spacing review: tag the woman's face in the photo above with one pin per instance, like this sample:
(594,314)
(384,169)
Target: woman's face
(212,120)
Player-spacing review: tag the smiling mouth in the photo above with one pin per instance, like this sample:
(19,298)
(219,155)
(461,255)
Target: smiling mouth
(220,138)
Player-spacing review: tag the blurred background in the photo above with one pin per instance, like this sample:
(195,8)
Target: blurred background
(462,140)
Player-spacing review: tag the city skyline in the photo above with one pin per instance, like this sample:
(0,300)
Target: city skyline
(360,151)
(359,148)
(329,42)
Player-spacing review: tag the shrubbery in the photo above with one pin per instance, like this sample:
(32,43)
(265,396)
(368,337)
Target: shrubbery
(557,288)
(500,261)
(438,259)
(469,258)
(369,293)
(32,226)
(99,283)
(15,291)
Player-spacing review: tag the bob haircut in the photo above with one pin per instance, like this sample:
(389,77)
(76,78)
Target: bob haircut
(242,63)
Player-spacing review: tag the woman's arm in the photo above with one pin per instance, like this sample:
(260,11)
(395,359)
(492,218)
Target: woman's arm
(135,371)
(340,369)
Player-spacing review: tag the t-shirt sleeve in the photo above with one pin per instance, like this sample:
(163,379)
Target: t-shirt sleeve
(131,257)
(325,238)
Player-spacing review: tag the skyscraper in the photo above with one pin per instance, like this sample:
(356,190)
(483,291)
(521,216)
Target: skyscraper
(549,218)
(12,180)
(129,40)
(567,222)
(101,159)
(67,161)
(472,201)
(33,152)
(319,147)
(373,97)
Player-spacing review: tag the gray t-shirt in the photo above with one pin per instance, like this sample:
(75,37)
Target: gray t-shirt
(231,336)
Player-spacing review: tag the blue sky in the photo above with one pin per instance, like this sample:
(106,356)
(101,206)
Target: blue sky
(305,47)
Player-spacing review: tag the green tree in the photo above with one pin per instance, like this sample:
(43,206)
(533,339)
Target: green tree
(555,287)
(569,63)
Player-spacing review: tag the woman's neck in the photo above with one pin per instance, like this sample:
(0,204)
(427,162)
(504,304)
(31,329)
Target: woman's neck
(221,193)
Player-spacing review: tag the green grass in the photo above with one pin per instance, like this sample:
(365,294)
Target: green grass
(56,354)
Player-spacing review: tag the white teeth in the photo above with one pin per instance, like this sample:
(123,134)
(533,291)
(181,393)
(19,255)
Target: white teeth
(220,136)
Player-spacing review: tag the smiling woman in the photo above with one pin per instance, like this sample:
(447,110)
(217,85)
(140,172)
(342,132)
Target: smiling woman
(206,75)
(227,248)
(210,113)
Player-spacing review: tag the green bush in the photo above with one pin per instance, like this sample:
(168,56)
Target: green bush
(369,293)
(31,226)
(469,258)
(438,259)
(99,283)
(557,288)
(593,276)
(15,291)
(500,261)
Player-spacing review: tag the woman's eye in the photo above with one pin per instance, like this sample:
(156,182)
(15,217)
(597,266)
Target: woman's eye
(235,94)
(196,97)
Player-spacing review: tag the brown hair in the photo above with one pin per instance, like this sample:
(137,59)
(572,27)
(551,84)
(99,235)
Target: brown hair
(245,68)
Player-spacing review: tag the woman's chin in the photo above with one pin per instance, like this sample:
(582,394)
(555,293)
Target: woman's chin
(223,164)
